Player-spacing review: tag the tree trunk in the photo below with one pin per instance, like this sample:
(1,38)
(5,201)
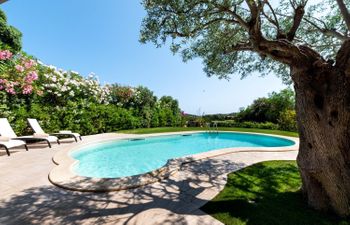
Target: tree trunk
(323,115)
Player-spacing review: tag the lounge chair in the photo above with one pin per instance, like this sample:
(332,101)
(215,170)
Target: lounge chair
(8,143)
(7,131)
(34,124)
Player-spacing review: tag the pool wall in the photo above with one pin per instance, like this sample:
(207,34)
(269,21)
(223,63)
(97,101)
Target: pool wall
(64,176)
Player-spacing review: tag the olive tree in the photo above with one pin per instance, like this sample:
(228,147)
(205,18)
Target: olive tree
(306,43)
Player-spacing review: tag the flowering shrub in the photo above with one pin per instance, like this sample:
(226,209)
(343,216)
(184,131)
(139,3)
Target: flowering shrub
(68,85)
(62,99)
(121,95)
(18,74)
(66,100)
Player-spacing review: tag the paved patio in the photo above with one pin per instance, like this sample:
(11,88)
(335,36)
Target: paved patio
(27,196)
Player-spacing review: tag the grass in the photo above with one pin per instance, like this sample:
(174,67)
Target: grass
(178,129)
(266,194)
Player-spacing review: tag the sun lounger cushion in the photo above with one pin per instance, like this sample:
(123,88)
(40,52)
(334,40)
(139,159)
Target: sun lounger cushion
(12,143)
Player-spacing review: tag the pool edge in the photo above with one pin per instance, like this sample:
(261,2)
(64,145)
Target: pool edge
(63,176)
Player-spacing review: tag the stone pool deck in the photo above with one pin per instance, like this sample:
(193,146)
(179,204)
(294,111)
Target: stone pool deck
(28,197)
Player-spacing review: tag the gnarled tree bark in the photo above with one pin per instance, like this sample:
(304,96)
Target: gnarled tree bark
(323,114)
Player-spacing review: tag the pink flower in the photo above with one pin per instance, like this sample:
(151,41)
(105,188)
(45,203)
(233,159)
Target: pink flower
(1,87)
(29,63)
(15,83)
(6,54)
(2,55)
(31,76)
(3,81)
(19,68)
(27,89)
(9,89)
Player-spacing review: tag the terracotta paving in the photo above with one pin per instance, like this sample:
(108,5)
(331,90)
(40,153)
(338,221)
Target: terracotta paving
(27,196)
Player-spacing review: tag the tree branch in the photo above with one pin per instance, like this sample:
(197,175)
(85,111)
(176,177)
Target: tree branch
(280,50)
(345,13)
(177,33)
(343,57)
(239,47)
(327,31)
(274,21)
(298,16)
(254,23)
(233,13)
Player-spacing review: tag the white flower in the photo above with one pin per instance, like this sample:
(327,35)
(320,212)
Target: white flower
(52,67)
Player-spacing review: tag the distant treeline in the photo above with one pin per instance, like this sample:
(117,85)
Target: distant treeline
(273,112)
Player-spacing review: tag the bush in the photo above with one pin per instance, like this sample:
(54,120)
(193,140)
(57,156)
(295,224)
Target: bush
(287,120)
(247,124)
(62,99)
(268,109)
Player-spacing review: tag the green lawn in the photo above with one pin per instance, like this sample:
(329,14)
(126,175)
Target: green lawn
(266,194)
(177,129)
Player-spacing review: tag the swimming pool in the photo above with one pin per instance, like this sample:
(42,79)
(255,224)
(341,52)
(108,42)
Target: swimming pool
(124,158)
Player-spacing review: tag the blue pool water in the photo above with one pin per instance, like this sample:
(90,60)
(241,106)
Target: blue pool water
(131,157)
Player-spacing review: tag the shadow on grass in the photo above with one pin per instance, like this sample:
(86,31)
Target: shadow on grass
(266,194)
(158,203)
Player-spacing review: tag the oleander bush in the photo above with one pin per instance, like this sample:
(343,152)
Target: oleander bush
(62,99)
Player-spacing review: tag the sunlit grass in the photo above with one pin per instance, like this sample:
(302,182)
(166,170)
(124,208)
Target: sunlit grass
(266,194)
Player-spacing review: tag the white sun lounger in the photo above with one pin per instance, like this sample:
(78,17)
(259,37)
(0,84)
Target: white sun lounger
(8,144)
(34,124)
(7,131)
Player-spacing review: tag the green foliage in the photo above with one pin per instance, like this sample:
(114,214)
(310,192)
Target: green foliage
(10,37)
(287,120)
(276,112)
(142,102)
(268,109)
(219,32)
(248,124)
(3,16)
(83,117)
(278,108)
(69,101)
(266,193)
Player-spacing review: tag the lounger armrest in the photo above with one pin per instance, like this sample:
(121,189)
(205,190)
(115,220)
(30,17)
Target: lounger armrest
(4,139)
(65,132)
(38,135)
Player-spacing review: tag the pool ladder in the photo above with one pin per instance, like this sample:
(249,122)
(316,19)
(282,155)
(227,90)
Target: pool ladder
(213,128)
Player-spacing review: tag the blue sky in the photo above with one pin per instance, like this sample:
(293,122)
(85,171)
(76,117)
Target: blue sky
(101,36)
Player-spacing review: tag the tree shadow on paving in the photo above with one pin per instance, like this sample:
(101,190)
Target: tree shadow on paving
(266,195)
(180,194)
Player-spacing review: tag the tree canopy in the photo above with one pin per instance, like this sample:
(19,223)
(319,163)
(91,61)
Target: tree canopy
(242,36)
(10,37)
(306,42)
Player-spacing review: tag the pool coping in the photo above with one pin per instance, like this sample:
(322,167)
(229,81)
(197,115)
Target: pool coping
(62,175)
